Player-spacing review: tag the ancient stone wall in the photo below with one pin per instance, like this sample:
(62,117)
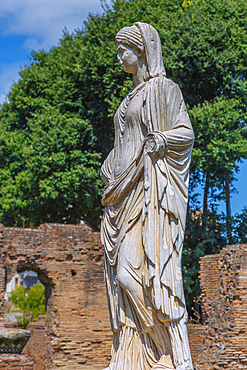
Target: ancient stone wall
(36,346)
(224,285)
(16,362)
(69,262)
(196,334)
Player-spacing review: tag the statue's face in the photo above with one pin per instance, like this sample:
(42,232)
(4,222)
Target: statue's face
(128,58)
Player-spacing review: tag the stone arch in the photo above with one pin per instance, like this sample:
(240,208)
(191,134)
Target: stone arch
(44,359)
(69,262)
(25,265)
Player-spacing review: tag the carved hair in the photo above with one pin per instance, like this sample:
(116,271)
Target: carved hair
(130,36)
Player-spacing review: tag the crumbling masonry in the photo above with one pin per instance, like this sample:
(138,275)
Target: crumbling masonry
(69,263)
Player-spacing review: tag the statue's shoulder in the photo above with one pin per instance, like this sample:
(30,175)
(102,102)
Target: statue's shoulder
(164,80)
(165,84)
(171,84)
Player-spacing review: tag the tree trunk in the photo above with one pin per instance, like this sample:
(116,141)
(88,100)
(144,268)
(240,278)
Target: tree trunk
(205,205)
(228,212)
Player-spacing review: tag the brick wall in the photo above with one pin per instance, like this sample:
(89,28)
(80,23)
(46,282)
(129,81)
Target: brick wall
(69,262)
(224,285)
(36,346)
(196,334)
(16,362)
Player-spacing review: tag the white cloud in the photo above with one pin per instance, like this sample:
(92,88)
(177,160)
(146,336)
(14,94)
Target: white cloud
(42,21)
(8,75)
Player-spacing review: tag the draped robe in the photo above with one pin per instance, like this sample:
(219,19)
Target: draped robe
(142,229)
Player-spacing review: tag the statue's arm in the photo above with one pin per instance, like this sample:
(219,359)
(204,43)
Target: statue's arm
(167,119)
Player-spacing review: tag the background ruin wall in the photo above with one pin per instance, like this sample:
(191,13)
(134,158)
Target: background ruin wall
(224,304)
(75,333)
(69,262)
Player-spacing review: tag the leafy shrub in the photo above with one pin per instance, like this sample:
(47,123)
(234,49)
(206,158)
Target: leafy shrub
(23,320)
(32,302)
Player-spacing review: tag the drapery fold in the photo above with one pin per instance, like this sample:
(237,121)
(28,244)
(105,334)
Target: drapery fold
(148,198)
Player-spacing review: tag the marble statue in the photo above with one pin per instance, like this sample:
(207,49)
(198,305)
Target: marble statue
(146,179)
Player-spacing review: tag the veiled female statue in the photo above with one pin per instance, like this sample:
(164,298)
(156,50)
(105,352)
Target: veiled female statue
(145,199)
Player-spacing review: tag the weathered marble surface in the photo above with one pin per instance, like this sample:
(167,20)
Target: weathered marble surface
(145,199)
(13,341)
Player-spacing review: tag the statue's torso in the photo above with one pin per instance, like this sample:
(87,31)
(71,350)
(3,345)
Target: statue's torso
(130,131)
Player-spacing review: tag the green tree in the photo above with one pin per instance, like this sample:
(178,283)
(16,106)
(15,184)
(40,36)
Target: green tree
(210,65)
(36,300)
(31,302)
(220,146)
(57,126)
(19,298)
(239,226)
(49,170)
(197,244)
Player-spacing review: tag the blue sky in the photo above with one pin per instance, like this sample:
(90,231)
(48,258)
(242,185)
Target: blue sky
(239,198)
(28,25)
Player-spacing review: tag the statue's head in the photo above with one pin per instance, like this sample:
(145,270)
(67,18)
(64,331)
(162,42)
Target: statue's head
(130,49)
(131,37)
(140,41)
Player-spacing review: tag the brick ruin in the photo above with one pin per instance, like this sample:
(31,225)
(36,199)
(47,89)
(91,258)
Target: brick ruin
(74,333)
(69,262)
(224,303)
